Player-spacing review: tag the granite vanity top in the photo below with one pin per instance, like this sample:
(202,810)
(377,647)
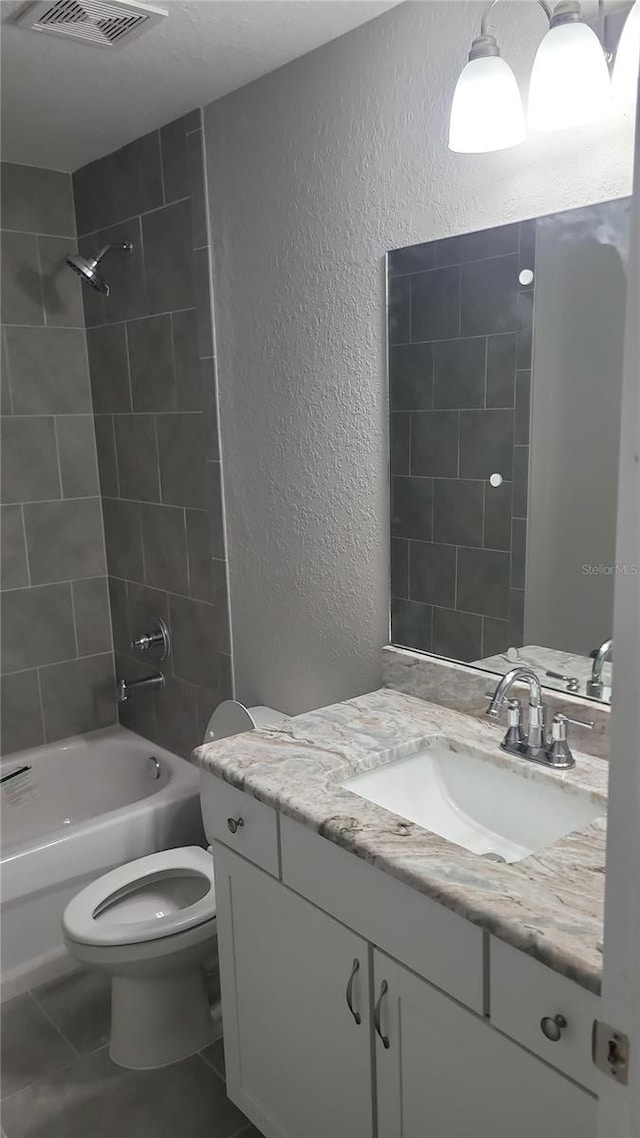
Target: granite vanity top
(550,905)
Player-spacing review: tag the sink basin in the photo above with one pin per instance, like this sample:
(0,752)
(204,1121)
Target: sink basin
(496,812)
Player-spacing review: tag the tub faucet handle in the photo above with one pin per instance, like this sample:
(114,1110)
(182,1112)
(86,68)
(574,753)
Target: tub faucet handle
(156,638)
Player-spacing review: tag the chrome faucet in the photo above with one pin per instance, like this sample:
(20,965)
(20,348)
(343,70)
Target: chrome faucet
(553,752)
(127,688)
(595,686)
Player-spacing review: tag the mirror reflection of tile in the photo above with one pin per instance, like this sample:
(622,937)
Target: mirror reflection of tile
(467,491)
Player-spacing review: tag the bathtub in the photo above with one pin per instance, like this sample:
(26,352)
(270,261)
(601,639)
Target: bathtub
(85,805)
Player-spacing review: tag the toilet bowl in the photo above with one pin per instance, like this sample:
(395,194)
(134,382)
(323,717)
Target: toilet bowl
(150,924)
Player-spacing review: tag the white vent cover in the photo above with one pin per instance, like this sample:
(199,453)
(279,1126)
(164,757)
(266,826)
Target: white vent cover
(101,24)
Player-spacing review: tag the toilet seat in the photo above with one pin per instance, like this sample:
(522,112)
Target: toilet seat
(118,908)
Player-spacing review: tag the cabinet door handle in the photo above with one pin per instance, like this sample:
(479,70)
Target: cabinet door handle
(234,824)
(349,994)
(552,1027)
(384,988)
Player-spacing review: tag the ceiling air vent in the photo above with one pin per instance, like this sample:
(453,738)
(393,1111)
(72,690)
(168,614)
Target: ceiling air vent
(100,24)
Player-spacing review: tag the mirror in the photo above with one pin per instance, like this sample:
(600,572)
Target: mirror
(505,380)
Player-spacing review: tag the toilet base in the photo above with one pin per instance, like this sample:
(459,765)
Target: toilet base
(159,1020)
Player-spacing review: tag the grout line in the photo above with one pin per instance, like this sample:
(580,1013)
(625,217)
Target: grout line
(73,617)
(59,464)
(54,663)
(30,233)
(53,1023)
(53,327)
(161,155)
(126,349)
(26,547)
(133,217)
(40,274)
(40,703)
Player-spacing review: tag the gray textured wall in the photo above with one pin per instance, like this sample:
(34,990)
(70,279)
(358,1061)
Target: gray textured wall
(314,172)
(57,655)
(153,382)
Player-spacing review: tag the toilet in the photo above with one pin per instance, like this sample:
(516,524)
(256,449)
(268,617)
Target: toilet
(150,925)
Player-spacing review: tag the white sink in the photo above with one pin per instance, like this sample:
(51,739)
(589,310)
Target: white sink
(493,811)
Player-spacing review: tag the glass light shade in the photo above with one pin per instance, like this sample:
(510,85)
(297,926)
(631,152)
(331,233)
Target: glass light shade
(627,64)
(486,112)
(570,82)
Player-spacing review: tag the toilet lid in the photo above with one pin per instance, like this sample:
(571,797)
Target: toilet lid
(229,718)
(152,897)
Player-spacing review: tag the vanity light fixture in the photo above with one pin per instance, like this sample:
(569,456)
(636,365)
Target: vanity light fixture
(570,84)
(627,64)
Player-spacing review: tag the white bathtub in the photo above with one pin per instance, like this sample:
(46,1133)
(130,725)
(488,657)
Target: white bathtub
(86,805)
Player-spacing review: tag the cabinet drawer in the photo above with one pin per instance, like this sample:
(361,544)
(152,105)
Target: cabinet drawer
(523,992)
(436,943)
(240,822)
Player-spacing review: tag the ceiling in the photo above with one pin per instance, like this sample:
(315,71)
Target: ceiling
(65,103)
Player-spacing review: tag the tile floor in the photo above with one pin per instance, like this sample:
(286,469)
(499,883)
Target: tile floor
(57,1080)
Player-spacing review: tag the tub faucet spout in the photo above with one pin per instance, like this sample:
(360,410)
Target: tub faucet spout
(127,688)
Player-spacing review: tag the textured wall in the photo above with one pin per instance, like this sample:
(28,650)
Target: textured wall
(57,655)
(154,400)
(314,172)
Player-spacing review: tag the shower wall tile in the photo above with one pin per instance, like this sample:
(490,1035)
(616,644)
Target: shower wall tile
(78,696)
(37,627)
(53,553)
(20,712)
(48,370)
(64,540)
(36,200)
(155,404)
(29,459)
(460,333)
(77,453)
(21,285)
(13,551)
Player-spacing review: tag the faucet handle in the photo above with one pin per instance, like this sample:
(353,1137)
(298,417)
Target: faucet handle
(588,723)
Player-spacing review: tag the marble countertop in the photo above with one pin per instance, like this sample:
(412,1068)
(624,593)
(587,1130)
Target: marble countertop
(550,904)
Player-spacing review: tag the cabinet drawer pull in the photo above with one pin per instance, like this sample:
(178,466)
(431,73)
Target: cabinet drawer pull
(552,1027)
(384,988)
(234,824)
(356,1015)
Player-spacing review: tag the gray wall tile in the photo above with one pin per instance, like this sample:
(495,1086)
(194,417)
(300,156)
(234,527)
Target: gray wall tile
(29,459)
(213,481)
(459,373)
(168,258)
(412,507)
(411,624)
(37,200)
(5,390)
(138,714)
(486,444)
(13,551)
(145,605)
(125,273)
(177,721)
(137,176)
(175,165)
(495,637)
(153,381)
(196,189)
(483,582)
(20,714)
(77,696)
(458,510)
(61,287)
(190,395)
(119,605)
(49,370)
(434,443)
(205,328)
(194,641)
(199,549)
(165,547)
(64,540)
(109,368)
(106,450)
(400,442)
(457,634)
(181,454)
(435,305)
(137,457)
(432,573)
(497,516)
(94,194)
(501,370)
(399,567)
(490,296)
(77,451)
(399,310)
(92,616)
(37,627)
(123,538)
(21,286)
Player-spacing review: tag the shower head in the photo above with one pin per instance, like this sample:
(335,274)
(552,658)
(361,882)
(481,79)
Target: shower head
(87,267)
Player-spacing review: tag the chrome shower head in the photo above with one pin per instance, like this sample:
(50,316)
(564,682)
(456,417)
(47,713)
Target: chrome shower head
(87,267)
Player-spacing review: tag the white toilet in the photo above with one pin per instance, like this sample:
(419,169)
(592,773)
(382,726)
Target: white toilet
(150,925)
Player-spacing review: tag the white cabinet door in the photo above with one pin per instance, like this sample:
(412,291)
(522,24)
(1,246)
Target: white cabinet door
(445,1073)
(295,1002)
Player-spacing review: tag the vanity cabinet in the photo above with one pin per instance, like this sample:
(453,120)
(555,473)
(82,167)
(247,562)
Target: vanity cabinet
(354,1006)
(445,1073)
(295,992)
